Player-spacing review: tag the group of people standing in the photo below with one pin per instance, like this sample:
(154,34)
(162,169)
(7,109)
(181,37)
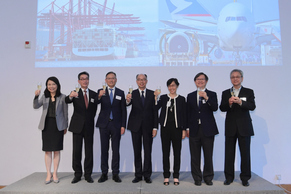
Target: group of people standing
(178,118)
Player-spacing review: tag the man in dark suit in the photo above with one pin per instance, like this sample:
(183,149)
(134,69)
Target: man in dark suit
(111,123)
(82,126)
(237,102)
(143,124)
(202,128)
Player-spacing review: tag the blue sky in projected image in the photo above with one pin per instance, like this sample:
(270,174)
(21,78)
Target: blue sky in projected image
(178,28)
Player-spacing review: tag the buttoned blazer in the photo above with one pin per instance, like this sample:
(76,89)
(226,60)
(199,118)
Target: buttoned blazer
(204,113)
(82,116)
(61,111)
(118,108)
(146,115)
(238,117)
(181,110)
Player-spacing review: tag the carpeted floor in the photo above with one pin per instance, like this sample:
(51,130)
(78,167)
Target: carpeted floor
(34,183)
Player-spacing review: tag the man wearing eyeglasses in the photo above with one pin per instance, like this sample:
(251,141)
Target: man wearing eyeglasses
(202,129)
(82,126)
(237,102)
(143,124)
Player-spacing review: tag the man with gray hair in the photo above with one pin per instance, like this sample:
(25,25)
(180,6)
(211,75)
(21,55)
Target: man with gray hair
(143,124)
(237,102)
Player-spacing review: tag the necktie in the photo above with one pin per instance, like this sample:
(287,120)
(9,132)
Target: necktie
(200,102)
(111,100)
(111,95)
(142,97)
(86,99)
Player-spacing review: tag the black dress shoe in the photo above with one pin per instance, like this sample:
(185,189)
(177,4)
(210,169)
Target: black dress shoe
(116,178)
(75,180)
(227,182)
(148,180)
(245,183)
(103,178)
(136,180)
(89,180)
(209,183)
(197,183)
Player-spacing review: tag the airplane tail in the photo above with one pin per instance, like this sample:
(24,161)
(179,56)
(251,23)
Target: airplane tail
(179,9)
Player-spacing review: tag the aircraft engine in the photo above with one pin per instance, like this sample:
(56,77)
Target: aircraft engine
(218,53)
(179,42)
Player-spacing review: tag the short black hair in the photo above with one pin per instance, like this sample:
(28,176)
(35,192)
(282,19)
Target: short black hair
(47,93)
(172,80)
(141,74)
(201,73)
(83,73)
(110,72)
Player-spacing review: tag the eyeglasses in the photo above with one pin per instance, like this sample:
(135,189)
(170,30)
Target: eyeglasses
(237,77)
(141,80)
(200,79)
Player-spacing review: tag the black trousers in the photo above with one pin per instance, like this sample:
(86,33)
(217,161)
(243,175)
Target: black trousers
(142,137)
(206,143)
(171,135)
(87,136)
(110,132)
(244,143)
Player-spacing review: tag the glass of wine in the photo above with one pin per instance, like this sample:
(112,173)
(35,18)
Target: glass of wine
(130,90)
(39,85)
(232,92)
(159,91)
(77,88)
(104,87)
(198,90)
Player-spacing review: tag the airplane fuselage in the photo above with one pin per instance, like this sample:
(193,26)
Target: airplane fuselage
(236,28)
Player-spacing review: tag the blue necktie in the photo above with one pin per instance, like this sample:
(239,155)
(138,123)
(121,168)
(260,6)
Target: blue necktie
(142,97)
(111,100)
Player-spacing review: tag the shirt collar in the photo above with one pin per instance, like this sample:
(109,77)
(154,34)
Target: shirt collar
(83,90)
(111,88)
(142,90)
(236,89)
(203,90)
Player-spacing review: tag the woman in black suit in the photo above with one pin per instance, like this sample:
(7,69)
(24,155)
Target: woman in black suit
(173,124)
(53,123)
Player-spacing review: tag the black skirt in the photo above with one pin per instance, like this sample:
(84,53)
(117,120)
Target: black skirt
(52,138)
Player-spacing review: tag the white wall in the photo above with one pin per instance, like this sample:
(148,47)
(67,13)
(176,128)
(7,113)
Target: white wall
(20,148)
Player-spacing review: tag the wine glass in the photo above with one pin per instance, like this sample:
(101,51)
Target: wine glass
(77,87)
(232,92)
(198,90)
(39,84)
(130,90)
(159,91)
(104,87)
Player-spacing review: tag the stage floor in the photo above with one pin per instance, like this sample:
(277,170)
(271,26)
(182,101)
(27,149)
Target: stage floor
(34,183)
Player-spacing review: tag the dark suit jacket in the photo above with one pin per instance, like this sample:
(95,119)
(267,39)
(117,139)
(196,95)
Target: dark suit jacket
(205,114)
(146,115)
(81,115)
(181,110)
(238,117)
(118,109)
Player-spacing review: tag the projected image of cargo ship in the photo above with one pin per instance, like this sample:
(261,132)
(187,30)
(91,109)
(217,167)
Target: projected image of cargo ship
(99,42)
